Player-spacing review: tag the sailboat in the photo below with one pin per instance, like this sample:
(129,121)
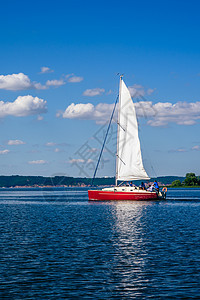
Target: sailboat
(129,165)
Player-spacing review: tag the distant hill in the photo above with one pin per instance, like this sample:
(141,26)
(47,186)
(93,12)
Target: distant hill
(17,180)
(168,179)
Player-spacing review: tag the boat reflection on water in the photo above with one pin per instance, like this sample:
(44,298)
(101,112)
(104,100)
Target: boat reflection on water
(129,254)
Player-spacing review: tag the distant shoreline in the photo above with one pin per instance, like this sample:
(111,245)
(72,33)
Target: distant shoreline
(26,182)
(85,186)
(64,181)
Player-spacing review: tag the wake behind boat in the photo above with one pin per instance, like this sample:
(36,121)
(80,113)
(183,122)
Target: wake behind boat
(129,165)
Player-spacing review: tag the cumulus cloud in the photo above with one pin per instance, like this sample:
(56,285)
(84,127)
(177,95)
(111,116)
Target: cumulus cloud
(159,114)
(181,113)
(75,79)
(23,106)
(82,111)
(46,70)
(93,92)
(20,81)
(99,113)
(55,82)
(38,162)
(39,86)
(6,151)
(15,142)
(15,82)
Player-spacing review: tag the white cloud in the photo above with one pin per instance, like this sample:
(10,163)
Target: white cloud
(15,82)
(39,86)
(50,144)
(159,114)
(55,82)
(46,70)
(76,160)
(181,150)
(23,106)
(93,150)
(20,81)
(40,118)
(197,148)
(15,142)
(6,151)
(150,91)
(90,161)
(181,113)
(75,79)
(138,90)
(82,111)
(109,92)
(93,92)
(38,162)
(100,113)
(57,150)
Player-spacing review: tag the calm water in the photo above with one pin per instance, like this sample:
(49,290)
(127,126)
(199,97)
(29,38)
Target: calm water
(56,245)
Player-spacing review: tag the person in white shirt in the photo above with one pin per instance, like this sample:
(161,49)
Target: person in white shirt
(150,189)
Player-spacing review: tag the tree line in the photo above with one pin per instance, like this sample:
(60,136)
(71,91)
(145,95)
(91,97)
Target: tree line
(190,180)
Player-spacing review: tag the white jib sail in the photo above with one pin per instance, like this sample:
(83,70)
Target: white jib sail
(129,159)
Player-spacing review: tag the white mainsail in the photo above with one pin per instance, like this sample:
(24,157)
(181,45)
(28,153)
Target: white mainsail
(129,164)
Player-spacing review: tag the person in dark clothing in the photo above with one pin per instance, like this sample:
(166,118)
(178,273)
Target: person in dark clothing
(143,186)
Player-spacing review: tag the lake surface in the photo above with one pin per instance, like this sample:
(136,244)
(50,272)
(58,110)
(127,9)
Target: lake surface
(56,245)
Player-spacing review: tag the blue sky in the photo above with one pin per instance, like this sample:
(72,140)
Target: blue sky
(55,53)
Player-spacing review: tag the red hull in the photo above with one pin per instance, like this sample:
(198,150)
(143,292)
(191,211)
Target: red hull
(109,195)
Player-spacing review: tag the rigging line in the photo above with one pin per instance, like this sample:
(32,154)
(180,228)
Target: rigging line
(121,159)
(104,141)
(118,124)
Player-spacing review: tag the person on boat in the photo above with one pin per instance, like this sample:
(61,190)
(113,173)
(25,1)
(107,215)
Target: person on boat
(150,188)
(156,187)
(142,186)
(132,185)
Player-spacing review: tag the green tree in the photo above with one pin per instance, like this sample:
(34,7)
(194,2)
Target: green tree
(176,183)
(191,179)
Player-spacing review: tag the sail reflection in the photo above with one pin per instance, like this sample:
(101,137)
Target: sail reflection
(130,251)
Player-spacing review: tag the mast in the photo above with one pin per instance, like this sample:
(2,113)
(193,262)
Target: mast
(118,122)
